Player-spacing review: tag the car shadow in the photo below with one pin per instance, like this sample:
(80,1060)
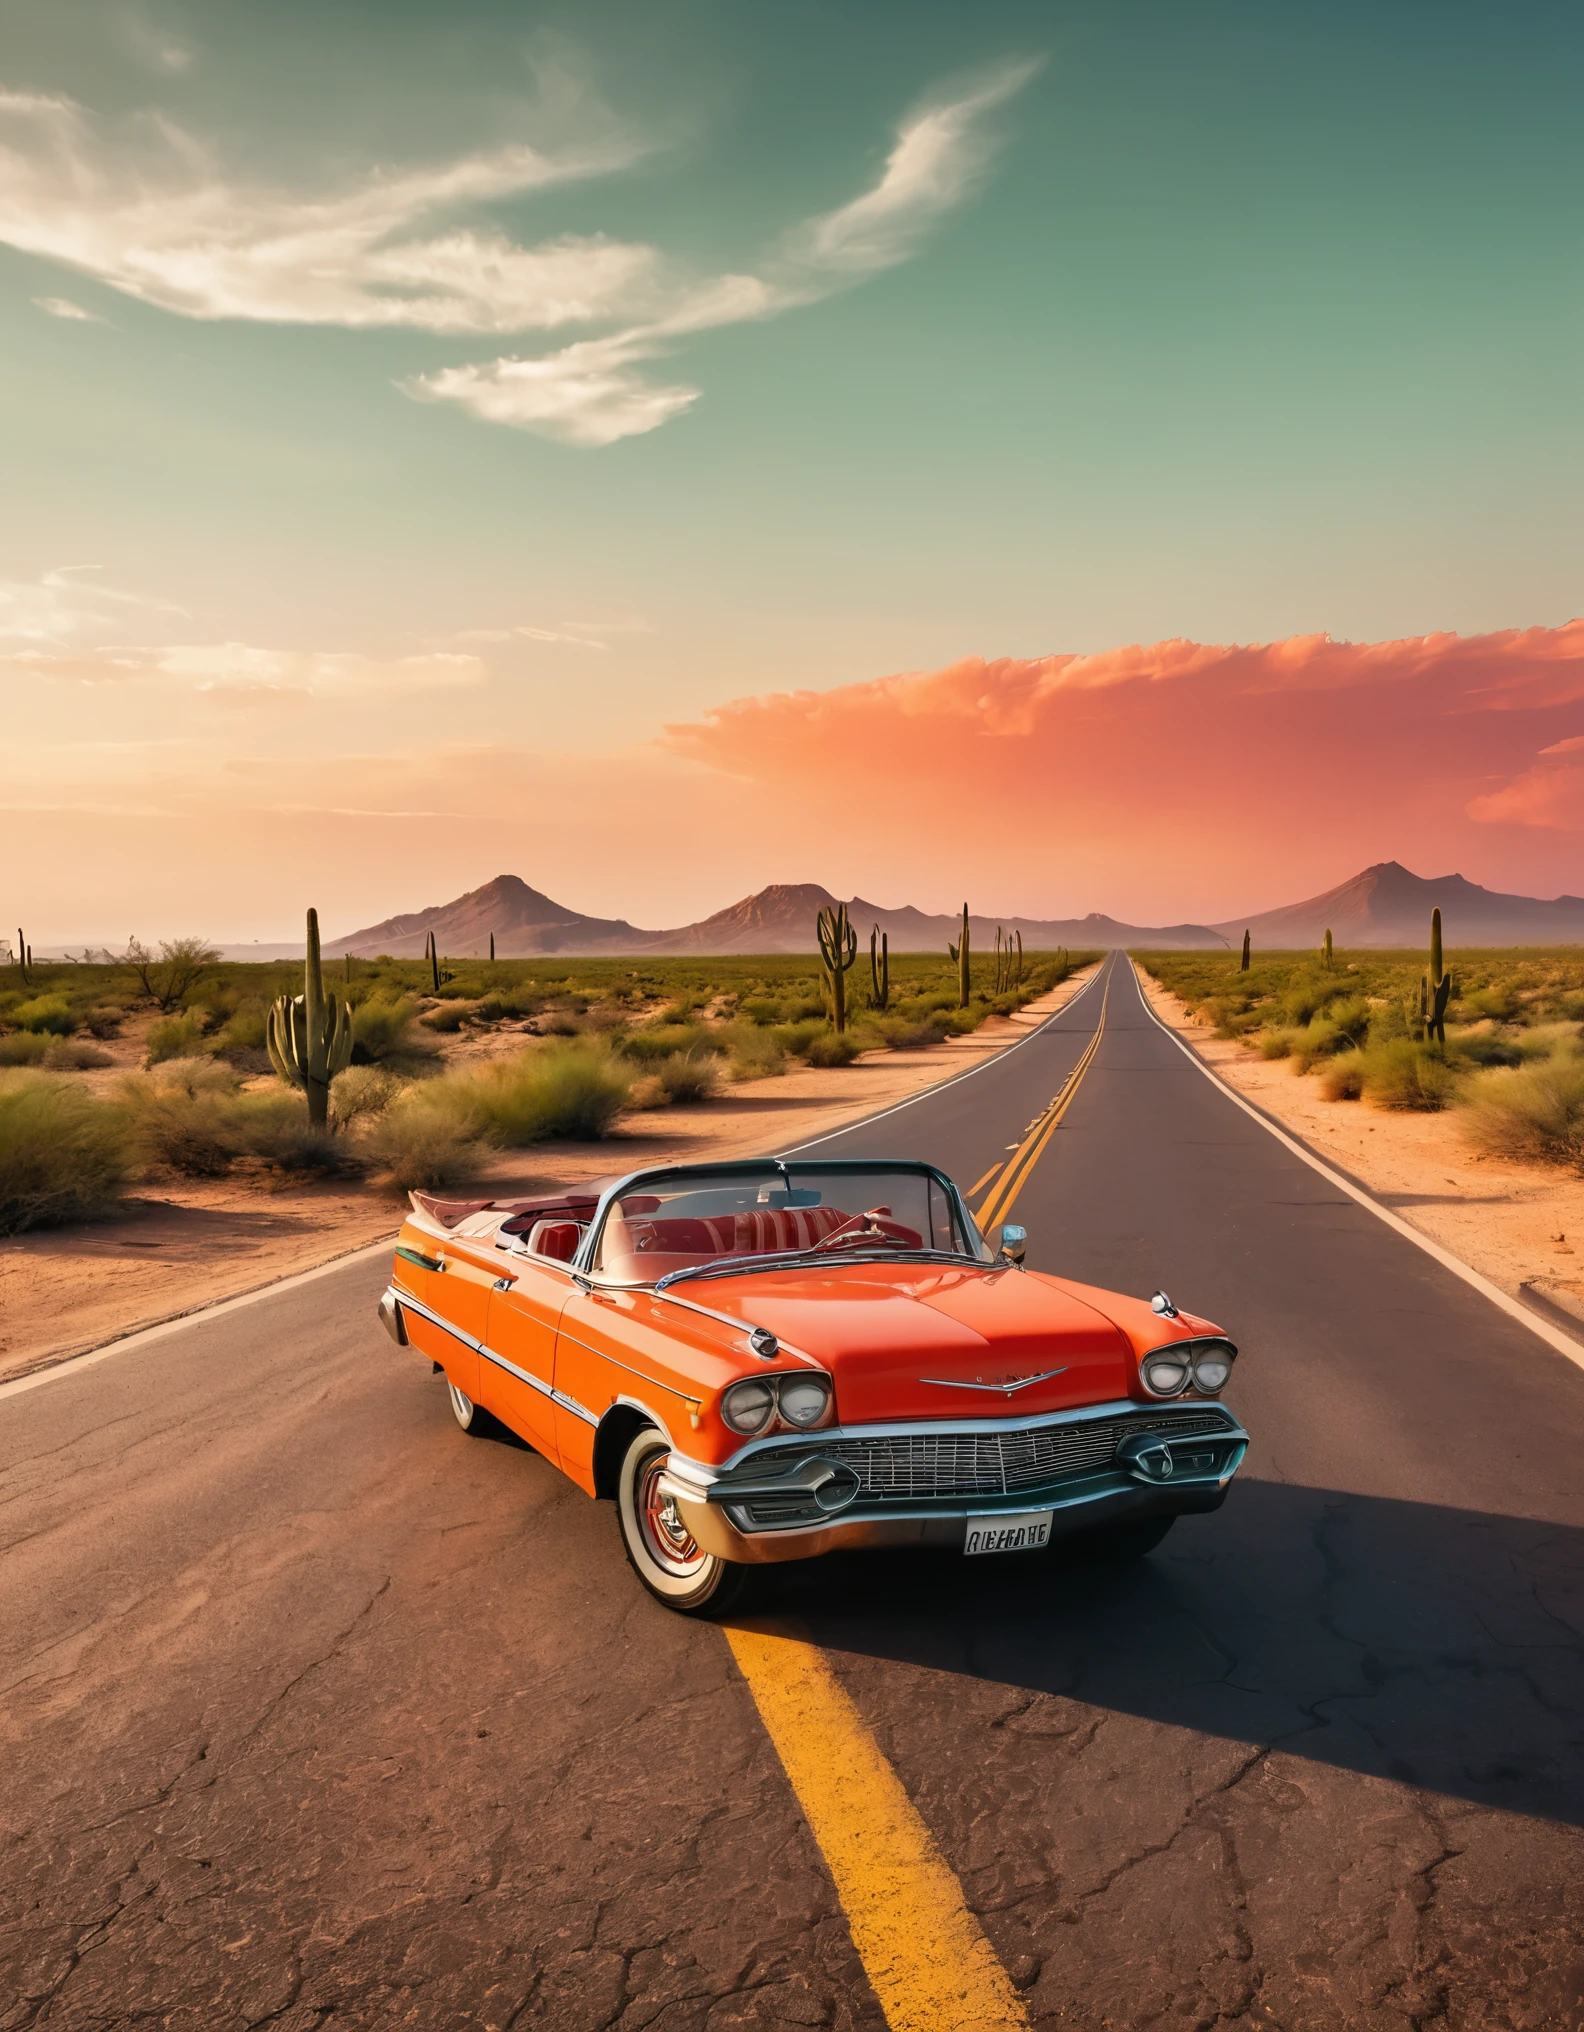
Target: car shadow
(1437,1647)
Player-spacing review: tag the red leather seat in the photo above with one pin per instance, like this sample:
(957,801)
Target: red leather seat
(555,1239)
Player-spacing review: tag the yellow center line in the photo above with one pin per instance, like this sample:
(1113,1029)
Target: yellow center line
(924,1952)
(1032,1148)
(983,1181)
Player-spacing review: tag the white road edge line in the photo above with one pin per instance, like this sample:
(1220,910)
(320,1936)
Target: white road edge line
(129,1343)
(931,1093)
(1553,1336)
(146,1336)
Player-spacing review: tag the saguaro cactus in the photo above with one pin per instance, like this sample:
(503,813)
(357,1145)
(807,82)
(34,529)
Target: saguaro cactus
(959,953)
(22,955)
(1243,969)
(492,948)
(838,944)
(1437,990)
(879,969)
(310,1035)
(433,957)
(1330,960)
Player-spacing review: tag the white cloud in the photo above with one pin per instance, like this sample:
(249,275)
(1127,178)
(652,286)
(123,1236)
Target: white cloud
(145,208)
(59,607)
(63,307)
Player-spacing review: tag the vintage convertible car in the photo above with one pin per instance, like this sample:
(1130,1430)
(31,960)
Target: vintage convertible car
(764,1361)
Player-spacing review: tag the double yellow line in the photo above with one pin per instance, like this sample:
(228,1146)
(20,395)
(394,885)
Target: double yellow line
(1011,1177)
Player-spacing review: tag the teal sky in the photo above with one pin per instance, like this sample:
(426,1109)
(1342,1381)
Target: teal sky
(1235,322)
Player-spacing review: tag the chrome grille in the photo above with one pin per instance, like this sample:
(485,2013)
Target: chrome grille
(914,1466)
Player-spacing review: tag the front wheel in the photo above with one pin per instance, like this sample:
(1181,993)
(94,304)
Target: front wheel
(660,1549)
(472,1418)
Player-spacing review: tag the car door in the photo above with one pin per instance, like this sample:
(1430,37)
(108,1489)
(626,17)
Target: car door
(517,1374)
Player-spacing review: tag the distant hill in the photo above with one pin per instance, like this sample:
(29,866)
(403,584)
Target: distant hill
(1387,905)
(777,919)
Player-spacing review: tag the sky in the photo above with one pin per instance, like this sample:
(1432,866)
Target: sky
(1116,457)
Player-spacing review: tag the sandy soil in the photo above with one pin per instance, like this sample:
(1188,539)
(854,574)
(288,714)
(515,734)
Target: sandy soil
(1517,1224)
(182,1246)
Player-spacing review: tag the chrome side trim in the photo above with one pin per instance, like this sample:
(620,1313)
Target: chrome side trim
(604,1355)
(479,1348)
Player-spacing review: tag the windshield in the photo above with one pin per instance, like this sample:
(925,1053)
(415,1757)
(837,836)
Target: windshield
(688,1219)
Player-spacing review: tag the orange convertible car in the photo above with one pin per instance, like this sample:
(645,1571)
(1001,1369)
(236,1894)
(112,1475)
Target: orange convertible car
(760,1362)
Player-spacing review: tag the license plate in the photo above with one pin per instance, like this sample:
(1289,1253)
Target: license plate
(1027,1531)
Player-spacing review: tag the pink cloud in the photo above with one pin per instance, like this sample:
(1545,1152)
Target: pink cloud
(1184,775)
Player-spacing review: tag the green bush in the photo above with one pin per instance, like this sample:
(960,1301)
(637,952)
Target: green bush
(1484,1047)
(23,1047)
(241,1036)
(1536,1112)
(833,1048)
(906,1033)
(383,1030)
(423,1142)
(50,1013)
(660,1041)
(1277,1043)
(797,1037)
(1406,1075)
(1343,1078)
(755,1053)
(183,1118)
(274,1130)
(103,1020)
(559,1090)
(62,1152)
(689,1075)
(174,1037)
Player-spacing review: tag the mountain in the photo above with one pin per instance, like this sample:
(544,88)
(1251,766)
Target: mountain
(524,922)
(777,919)
(1388,905)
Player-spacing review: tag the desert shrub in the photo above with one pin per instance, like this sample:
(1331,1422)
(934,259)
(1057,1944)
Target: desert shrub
(664,1040)
(560,1023)
(1307,995)
(274,1129)
(382,1029)
(1277,1043)
(448,1016)
(1404,1074)
(1536,1112)
(689,1075)
(185,1121)
(1344,1025)
(832,1048)
(797,1037)
(74,1054)
(361,1092)
(241,1036)
(570,1090)
(755,1053)
(1484,1047)
(909,1033)
(173,1037)
(1498,1001)
(23,1047)
(1343,1077)
(423,1141)
(45,1013)
(62,1152)
(1547,1040)
(104,1020)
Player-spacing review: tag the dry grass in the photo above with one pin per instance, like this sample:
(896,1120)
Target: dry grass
(62,1153)
(1531,1112)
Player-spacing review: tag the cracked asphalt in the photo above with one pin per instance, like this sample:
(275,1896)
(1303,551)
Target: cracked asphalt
(318,1713)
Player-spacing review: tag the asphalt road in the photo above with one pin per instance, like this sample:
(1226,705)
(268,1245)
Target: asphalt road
(318,1713)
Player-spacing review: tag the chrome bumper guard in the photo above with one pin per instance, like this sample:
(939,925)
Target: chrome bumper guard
(390,1317)
(764,1511)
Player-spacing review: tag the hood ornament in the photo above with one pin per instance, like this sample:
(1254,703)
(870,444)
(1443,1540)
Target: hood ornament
(1162,1305)
(1006,1389)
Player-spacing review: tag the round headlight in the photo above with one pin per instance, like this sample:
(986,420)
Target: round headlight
(748,1406)
(804,1398)
(1211,1368)
(1166,1373)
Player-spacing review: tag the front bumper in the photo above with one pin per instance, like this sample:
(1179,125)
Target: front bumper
(838,1491)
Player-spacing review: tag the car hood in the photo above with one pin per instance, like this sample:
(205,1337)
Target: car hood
(939,1342)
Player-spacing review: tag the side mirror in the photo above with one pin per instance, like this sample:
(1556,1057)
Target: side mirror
(1014,1241)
